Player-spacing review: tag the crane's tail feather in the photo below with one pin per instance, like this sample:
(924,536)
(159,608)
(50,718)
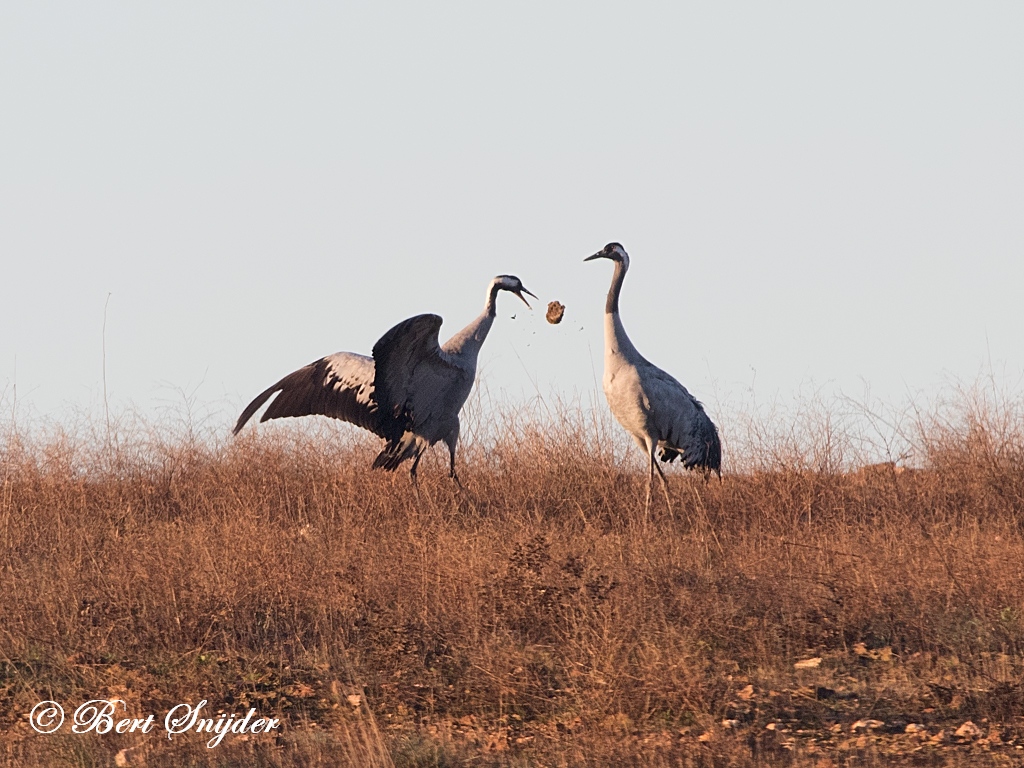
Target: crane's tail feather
(703,449)
(394,453)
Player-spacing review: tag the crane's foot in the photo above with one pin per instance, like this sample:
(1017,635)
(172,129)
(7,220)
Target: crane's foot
(668,500)
(464,496)
(415,483)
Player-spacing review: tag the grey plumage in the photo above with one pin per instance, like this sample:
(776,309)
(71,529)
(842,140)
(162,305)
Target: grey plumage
(421,389)
(409,393)
(655,409)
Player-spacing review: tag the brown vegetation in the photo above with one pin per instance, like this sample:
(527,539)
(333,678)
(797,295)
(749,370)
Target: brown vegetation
(534,619)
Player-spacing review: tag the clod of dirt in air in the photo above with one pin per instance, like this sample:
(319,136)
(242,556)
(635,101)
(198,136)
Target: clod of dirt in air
(808,663)
(555,312)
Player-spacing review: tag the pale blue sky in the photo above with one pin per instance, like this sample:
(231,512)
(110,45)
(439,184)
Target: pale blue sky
(809,192)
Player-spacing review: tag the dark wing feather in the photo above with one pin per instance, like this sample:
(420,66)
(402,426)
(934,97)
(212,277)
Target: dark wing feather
(681,424)
(339,386)
(700,447)
(396,356)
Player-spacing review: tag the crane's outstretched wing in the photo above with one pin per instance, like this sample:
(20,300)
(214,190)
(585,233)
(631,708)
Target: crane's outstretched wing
(412,374)
(339,386)
(688,432)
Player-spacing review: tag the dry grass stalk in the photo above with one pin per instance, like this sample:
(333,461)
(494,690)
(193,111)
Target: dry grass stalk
(532,619)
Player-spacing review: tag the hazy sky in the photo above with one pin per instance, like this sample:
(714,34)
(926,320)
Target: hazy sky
(825,195)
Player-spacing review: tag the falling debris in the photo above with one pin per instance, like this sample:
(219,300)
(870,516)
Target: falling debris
(555,312)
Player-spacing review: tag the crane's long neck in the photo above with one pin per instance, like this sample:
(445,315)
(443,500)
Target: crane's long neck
(616,342)
(491,307)
(612,304)
(467,342)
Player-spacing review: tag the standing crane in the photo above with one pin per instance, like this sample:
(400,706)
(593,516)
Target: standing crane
(649,403)
(409,393)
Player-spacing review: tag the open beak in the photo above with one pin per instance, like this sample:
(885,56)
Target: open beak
(520,295)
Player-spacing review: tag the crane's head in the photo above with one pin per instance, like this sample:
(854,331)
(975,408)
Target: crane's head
(513,284)
(613,251)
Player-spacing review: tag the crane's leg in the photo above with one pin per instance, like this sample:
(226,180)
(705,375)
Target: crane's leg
(451,441)
(650,485)
(664,483)
(412,475)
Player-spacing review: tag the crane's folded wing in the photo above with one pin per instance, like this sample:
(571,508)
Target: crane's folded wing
(683,426)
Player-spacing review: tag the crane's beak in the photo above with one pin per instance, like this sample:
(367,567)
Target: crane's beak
(598,255)
(520,295)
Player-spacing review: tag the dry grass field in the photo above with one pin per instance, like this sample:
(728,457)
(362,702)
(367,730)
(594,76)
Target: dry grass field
(801,612)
